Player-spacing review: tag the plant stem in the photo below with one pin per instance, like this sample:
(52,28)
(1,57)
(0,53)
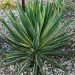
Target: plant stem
(23,5)
(38,70)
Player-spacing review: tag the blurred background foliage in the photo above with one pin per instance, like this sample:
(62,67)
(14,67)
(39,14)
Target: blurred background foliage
(5,4)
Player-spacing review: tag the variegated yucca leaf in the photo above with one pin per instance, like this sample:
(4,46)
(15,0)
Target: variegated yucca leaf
(37,36)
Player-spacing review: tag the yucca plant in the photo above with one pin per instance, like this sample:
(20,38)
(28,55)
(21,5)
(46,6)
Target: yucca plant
(37,36)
